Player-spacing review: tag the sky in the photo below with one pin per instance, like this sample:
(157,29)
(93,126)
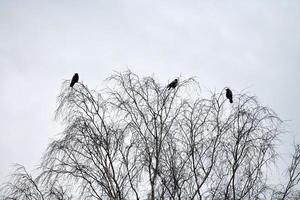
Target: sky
(246,45)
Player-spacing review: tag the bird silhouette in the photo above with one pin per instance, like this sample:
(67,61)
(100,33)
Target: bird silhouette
(74,79)
(229,95)
(173,84)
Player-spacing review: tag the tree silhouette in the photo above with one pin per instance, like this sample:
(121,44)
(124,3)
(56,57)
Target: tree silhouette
(139,140)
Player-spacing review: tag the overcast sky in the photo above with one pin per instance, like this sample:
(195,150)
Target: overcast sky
(242,44)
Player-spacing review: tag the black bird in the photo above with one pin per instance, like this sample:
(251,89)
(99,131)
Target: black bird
(173,84)
(74,80)
(229,95)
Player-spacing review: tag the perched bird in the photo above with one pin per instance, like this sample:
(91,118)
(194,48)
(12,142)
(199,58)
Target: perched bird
(74,80)
(229,95)
(173,84)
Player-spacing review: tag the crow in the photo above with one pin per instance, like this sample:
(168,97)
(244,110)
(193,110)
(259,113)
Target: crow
(229,95)
(173,84)
(74,80)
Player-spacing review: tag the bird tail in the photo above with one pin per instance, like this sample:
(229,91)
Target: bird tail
(230,100)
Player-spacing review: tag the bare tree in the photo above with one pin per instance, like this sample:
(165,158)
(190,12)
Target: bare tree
(287,191)
(138,140)
(24,186)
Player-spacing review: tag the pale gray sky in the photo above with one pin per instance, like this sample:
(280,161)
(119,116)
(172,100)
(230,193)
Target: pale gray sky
(242,44)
